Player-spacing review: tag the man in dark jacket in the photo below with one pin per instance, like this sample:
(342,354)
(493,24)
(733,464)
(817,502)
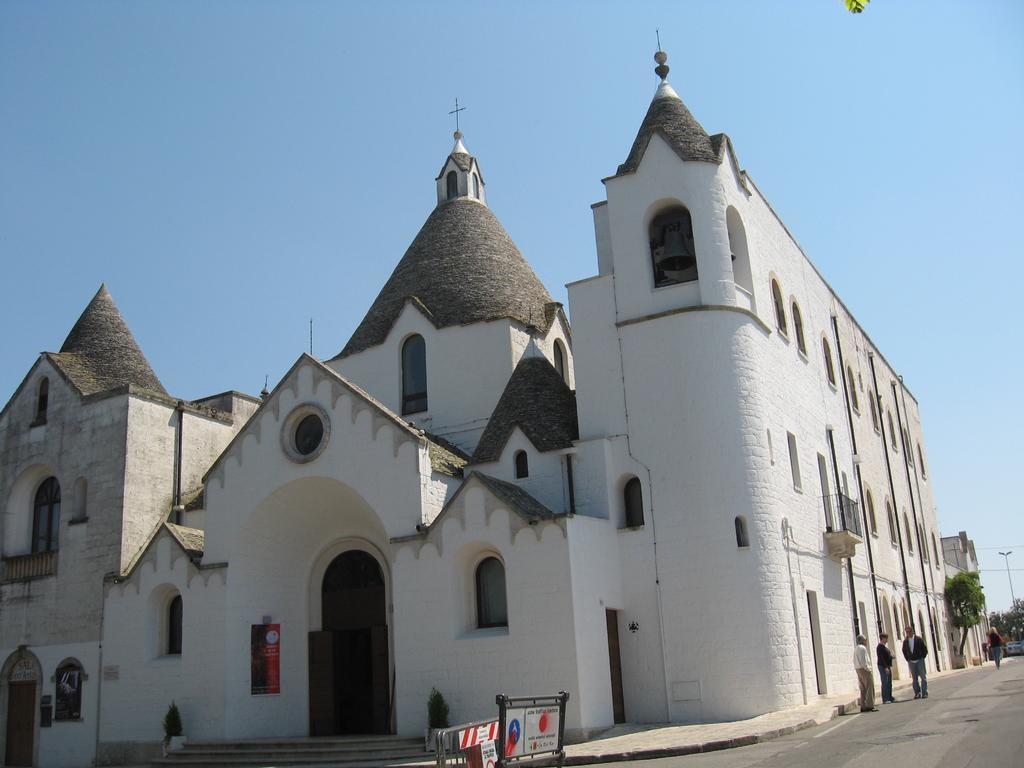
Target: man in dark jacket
(915,652)
(883,657)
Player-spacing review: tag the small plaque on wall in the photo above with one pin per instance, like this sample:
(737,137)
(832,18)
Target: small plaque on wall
(112,672)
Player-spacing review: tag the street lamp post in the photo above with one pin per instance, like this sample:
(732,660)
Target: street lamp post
(1006,557)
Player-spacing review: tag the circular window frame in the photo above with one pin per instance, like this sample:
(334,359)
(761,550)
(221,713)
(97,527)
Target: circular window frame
(291,424)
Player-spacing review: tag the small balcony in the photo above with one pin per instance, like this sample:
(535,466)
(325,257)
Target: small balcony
(844,531)
(38,565)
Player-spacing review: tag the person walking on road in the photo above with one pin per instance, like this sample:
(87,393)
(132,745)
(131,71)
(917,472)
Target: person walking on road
(995,646)
(862,663)
(915,652)
(883,657)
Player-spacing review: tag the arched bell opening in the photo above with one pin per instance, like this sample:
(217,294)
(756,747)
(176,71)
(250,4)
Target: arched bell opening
(673,253)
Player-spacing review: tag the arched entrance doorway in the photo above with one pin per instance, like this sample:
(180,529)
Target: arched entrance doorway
(21,678)
(348,658)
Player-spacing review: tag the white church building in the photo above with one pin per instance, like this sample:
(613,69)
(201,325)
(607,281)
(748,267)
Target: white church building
(682,508)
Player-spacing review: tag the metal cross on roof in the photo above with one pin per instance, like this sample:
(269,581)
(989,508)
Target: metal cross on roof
(456,112)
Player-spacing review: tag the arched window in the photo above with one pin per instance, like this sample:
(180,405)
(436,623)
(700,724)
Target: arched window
(798,329)
(780,310)
(874,410)
(522,465)
(891,516)
(414,375)
(920,462)
(673,254)
(826,353)
(909,532)
(742,539)
(68,701)
(491,604)
(81,509)
(633,499)
(452,184)
(738,248)
(892,433)
(476,186)
(924,542)
(46,516)
(935,549)
(870,503)
(560,361)
(852,384)
(42,402)
(174,617)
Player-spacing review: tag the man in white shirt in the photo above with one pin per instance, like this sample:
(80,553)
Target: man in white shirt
(862,663)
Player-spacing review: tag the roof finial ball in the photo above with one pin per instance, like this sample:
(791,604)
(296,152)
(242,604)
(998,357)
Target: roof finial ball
(458,135)
(662,69)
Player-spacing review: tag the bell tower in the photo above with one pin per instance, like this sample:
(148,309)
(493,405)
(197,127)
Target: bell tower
(460,175)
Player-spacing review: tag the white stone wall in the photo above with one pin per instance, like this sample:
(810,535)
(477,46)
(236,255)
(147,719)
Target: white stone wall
(143,679)
(547,479)
(468,367)
(437,643)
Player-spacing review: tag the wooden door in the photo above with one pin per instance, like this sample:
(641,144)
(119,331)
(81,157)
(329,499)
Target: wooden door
(21,723)
(321,684)
(615,665)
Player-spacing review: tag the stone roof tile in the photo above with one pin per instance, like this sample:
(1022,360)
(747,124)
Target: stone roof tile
(461,268)
(101,353)
(669,118)
(538,402)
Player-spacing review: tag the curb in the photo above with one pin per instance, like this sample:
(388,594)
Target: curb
(715,745)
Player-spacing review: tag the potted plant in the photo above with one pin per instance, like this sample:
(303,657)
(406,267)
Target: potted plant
(173,740)
(437,718)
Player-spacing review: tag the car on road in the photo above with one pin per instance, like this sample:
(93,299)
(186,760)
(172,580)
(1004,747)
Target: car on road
(1014,648)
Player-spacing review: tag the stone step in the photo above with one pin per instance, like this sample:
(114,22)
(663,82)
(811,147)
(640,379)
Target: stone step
(350,752)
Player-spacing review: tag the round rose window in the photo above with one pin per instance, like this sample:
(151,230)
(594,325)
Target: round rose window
(308,434)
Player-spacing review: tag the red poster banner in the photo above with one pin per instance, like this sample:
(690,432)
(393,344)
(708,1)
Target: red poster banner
(266,659)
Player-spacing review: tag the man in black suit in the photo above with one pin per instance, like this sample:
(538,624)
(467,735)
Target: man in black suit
(915,652)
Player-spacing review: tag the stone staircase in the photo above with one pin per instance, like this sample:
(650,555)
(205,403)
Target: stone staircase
(346,752)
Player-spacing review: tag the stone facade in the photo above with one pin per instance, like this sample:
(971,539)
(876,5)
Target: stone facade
(715,496)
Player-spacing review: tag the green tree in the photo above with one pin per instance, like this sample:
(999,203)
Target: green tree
(172,722)
(437,710)
(856,6)
(1009,623)
(966,602)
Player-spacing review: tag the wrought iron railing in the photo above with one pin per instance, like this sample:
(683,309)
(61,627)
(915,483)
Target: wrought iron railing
(843,514)
(24,567)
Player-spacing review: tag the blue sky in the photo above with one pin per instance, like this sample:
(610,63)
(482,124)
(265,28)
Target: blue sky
(233,169)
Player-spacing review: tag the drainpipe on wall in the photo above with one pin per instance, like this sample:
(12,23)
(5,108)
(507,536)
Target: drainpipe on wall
(177,509)
(918,529)
(892,485)
(856,469)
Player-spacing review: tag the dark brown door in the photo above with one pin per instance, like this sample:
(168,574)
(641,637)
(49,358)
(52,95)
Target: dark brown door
(615,665)
(381,710)
(321,684)
(21,723)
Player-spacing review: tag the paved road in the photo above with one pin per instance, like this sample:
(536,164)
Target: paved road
(973,719)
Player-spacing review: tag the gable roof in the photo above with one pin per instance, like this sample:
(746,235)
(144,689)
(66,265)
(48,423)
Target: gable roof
(445,458)
(669,118)
(101,354)
(192,540)
(461,268)
(538,402)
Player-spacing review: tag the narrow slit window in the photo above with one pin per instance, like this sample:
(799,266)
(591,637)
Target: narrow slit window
(414,375)
(780,309)
(794,461)
(491,602)
(522,465)
(42,402)
(742,537)
(852,384)
(633,499)
(452,185)
(826,352)
(174,621)
(798,329)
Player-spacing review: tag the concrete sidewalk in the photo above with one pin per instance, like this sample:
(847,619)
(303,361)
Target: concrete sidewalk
(639,742)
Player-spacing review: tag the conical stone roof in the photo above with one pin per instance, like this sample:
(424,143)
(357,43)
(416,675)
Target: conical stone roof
(669,117)
(101,353)
(540,403)
(461,268)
